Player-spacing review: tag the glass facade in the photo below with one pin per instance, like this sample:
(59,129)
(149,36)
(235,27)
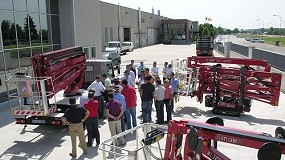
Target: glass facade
(28,27)
(174,31)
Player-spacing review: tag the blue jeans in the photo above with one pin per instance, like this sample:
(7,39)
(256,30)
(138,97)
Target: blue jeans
(123,123)
(146,111)
(159,105)
(131,112)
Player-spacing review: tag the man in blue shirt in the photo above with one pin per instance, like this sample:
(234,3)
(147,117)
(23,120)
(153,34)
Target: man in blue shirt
(175,85)
(119,97)
(141,67)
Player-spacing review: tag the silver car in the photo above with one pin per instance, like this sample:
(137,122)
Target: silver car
(256,40)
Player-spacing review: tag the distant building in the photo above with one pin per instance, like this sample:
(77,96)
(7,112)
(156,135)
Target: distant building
(179,31)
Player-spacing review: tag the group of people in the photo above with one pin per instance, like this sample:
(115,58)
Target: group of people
(117,101)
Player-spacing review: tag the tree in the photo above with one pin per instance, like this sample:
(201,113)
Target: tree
(236,30)
(30,25)
(45,35)
(206,30)
(228,31)
(271,31)
(220,30)
(5,27)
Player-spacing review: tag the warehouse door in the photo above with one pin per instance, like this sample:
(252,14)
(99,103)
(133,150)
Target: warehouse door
(127,34)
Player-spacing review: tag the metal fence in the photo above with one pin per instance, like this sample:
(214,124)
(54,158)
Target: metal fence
(274,59)
(134,149)
(243,50)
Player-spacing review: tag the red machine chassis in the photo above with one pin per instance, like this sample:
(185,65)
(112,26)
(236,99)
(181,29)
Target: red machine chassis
(202,138)
(65,66)
(232,87)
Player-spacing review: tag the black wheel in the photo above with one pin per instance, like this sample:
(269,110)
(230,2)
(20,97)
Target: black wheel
(280,133)
(269,151)
(192,138)
(215,110)
(215,120)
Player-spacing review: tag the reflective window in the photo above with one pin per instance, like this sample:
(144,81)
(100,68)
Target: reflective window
(55,30)
(43,4)
(13,53)
(20,5)
(27,29)
(45,31)
(8,29)
(33,6)
(46,49)
(36,50)
(22,29)
(25,52)
(6,4)
(34,29)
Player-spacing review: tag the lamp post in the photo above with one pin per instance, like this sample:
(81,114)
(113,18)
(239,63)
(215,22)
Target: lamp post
(280,22)
(261,28)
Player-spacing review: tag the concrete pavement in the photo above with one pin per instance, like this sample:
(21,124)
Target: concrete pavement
(53,142)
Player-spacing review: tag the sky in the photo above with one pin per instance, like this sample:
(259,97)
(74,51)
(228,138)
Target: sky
(241,14)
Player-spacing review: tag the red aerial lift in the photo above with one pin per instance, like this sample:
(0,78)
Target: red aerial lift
(53,71)
(230,84)
(202,138)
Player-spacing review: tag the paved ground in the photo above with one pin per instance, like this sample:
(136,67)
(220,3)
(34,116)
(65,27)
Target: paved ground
(51,142)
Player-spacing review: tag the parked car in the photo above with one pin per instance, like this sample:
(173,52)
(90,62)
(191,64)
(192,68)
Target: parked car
(114,57)
(256,40)
(115,46)
(127,45)
(247,39)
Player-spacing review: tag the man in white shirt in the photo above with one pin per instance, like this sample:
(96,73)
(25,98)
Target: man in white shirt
(106,80)
(154,70)
(169,71)
(99,89)
(165,69)
(131,73)
(159,101)
(128,78)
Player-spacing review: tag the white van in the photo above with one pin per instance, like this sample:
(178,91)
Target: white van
(128,45)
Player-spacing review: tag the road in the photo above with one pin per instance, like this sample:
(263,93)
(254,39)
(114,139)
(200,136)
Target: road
(53,142)
(262,46)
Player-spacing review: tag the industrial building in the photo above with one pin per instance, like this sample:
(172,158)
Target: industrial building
(29,27)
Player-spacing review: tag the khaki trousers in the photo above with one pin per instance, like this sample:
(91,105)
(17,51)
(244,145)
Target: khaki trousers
(115,128)
(74,130)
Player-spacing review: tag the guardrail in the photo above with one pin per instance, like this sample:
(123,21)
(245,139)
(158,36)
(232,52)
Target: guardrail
(275,60)
(132,154)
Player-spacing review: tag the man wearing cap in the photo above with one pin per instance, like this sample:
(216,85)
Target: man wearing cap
(128,78)
(99,89)
(146,92)
(119,97)
(131,102)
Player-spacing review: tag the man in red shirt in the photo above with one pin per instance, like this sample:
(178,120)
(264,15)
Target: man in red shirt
(92,120)
(131,102)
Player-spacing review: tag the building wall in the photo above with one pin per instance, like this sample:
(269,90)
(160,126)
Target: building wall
(66,23)
(88,24)
(119,17)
